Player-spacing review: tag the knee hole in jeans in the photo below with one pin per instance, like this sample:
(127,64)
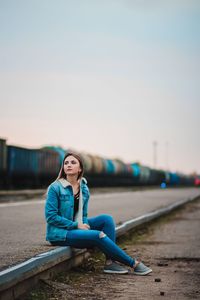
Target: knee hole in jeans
(102,235)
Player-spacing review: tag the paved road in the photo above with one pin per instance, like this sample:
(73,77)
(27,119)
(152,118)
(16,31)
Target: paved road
(22,224)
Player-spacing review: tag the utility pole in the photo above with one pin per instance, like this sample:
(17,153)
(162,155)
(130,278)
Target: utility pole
(167,155)
(155,153)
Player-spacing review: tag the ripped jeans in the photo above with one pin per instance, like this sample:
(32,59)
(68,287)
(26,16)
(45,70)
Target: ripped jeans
(94,237)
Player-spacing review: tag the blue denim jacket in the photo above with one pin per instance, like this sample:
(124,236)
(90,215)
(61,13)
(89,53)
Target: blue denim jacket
(59,209)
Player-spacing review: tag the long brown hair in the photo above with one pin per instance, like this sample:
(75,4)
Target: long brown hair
(62,173)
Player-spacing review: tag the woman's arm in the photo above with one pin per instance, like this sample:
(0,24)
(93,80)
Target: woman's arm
(51,212)
(85,209)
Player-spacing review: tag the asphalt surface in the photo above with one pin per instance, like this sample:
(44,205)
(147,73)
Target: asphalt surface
(22,224)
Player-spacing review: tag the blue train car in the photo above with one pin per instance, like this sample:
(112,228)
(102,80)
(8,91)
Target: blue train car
(22,167)
(21,161)
(174,179)
(3,162)
(109,166)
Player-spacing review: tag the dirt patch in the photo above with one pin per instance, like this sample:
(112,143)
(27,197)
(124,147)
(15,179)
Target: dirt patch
(170,246)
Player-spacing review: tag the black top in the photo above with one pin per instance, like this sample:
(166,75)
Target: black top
(76,202)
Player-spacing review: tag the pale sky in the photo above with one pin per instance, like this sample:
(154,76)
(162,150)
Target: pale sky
(107,77)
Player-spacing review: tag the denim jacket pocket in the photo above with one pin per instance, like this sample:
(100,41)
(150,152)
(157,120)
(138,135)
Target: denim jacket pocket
(65,195)
(65,204)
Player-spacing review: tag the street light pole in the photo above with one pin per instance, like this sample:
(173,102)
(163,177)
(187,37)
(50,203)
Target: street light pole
(167,155)
(155,153)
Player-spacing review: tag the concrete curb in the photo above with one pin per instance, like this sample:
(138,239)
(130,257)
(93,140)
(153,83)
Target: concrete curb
(32,266)
(128,225)
(13,276)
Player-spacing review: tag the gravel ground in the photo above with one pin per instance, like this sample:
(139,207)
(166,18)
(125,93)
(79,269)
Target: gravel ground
(171,247)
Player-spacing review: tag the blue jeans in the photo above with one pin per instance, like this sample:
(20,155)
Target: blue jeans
(79,238)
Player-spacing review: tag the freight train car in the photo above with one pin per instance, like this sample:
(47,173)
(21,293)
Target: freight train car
(21,167)
(36,168)
(30,167)
(106,172)
(3,162)
(197,180)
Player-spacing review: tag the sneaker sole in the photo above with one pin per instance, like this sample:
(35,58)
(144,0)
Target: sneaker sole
(143,273)
(115,272)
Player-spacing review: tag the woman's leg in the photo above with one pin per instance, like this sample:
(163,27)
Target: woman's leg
(89,238)
(104,223)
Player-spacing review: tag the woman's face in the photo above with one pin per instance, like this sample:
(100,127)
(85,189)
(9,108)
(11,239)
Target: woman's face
(71,166)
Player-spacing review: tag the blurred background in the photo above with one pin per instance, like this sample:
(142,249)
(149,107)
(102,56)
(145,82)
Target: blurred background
(116,80)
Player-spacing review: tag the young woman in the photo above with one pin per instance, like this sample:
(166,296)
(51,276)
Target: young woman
(68,225)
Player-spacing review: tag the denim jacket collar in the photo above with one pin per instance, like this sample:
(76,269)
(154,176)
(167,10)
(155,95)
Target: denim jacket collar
(79,214)
(66,183)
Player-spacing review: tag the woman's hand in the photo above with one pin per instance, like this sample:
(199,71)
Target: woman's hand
(83,226)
